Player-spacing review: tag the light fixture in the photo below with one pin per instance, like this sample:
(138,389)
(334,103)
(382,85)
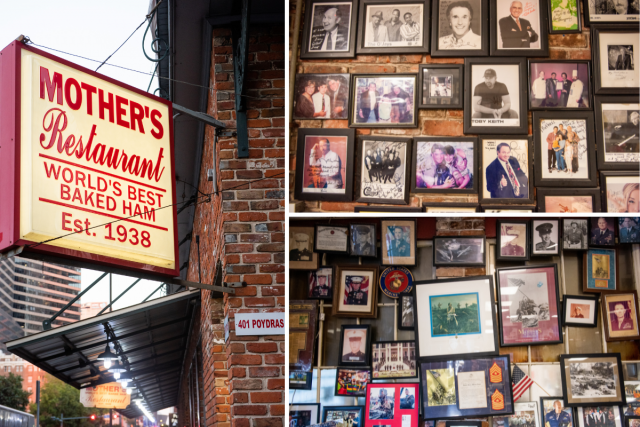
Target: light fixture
(116,369)
(107,357)
(129,390)
(124,379)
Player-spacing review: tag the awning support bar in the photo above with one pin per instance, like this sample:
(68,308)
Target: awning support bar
(118,297)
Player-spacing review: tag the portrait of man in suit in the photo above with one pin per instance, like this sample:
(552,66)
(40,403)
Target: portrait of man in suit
(333,32)
(620,57)
(505,177)
(516,32)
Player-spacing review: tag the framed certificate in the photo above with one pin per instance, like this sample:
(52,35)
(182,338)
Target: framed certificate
(332,239)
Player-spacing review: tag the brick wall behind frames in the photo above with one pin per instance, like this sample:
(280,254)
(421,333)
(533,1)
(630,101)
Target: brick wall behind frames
(430,122)
(460,227)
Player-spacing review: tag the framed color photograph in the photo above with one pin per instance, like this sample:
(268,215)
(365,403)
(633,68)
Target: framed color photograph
(460,28)
(519,28)
(354,345)
(580,311)
(344,416)
(603,11)
(506,170)
(494,98)
(302,333)
(321,96)
(575,234)
(355,294)
(629,229)
(525,414)
(324,166)
(546,237)
(363,240)
(406,317)
(632,421)
(589,379)
(620,314)
(512,242)
(398,241)
(602,231)
(305,414)
(300,380)
(352,381)
(620,191)
(529,305)
(618,132)
(392,404)
(459,251)
(329,29)
(385,166)
(321,284)
(559,85)
(456,317)
(553,410)
(383,100)
(393,359)
(568,200)
(466,387)
(586,416)
(616,63)
(632,392)
(600,268)
(332,239)
(441,86)
(391,27)
(301,255)
(565,17)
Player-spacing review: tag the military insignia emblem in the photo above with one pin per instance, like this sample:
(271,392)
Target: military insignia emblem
(395,281)
(497,401)
(495,374)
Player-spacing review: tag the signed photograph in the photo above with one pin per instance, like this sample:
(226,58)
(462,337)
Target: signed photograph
(629,229)
(618,132)
(329,29)
(546,237)
(461,28)
(570,200)
(444,164)
(384,170)
(576,234)
(519,28)
(321,96)
(382,101)
(608,11)
(564,16)
(620,191)
(616,59)
(559,85)
(394,25)
(506,168)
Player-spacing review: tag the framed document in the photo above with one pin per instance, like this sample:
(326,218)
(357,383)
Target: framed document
(332,239)
(302,334)
(589,379)
(472,390)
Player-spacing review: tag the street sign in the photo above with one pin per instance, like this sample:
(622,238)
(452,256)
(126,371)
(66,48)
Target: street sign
(106,396)
(259,323)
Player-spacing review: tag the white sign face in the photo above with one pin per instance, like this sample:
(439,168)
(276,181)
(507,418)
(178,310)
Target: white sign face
(259,323)
(93,152)
(106,396)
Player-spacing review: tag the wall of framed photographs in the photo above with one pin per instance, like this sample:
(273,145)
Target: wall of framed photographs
(393,106)
(540,362)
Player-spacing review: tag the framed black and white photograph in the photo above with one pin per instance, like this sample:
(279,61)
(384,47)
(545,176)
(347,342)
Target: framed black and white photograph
(321,283)
(494,99)
(301,244)
(575,234)
(329,29)
(441,86)
(385,166)
(355,341)
(321,96)
(512,240)
(406,318)
(381,100)
(620,191)
(580,311)
(398,241)
(460,28)
(332,239)
(568,200)
(629,229)
(589,379)
(519,28)
(363,240)
(445,165)
(602,231)
(393,359)
(616,59)
(605,11)
(564,156)
(618,132)
(393,27)
(565,17)
(559,85)
(459,251)
(304,414)
(506,170)
(546,237)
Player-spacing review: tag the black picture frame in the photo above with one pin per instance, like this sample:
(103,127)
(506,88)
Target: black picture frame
(425,25)
(515,208)
(526,250)
(542,193)
(373,369)
(384,251)
(586,83)
(596,30)
(542,52)
(301,160)
(565,301)
(442,70)
(377,186)
(449,423)
(436,52)
(629,418)
(315,239)
(468,127)
(306,385)
(554,398)
(358,408)
(584,227)
(600,19)
(417,158)
(535,251)
(624,238)
(387,209)
(539,138)
(576,31)
(305,51)
(329,296)
(603,164)
(437,242)
(619,373)
(469,207)
(367,346)
(292,405)
(401,302)
(374,244)
(604,187)
(343,90)
(608,241)
(363,393)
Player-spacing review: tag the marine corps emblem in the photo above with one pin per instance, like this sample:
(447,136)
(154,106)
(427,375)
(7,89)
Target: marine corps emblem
(396,280)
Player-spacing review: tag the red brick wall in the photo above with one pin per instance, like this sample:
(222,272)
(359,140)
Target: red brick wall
(430,122)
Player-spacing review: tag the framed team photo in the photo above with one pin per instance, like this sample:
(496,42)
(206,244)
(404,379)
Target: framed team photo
(620,314)
(460,28)
(618,132)
(629,229)
(363,240)
(559,85)
(519,28)
(506,170)
(355,343)
(321,283)
(352,381)
(546,237)
(441,86)
(565,17)
(580,311)
(600,270)
(603,11)
(592,379)
(356,292)
(512,243)
(406,317)
(620,191)
(568,200)
(393,359)
(575,234)
(398,241)
(602,231)
(321,97)
(494,99)
(383,101)
(329,29)
(616,63)
(459,251)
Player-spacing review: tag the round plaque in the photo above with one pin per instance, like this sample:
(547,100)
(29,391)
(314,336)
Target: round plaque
(396,280)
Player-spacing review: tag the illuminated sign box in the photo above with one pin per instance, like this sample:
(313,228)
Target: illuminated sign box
(79,151)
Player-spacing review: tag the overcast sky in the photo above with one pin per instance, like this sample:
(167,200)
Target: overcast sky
(94,30)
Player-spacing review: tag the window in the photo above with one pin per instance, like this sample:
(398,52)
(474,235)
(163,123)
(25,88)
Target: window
(30,380)
(30,368)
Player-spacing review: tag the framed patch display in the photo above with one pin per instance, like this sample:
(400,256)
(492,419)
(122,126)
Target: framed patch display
(393,359)
(299,380)
(616,63)
(565,156)
(559,85)
(305,414)
(602,231)
(398,241)
(343,416)
(388,27)
(383,100)
(524,413)
(352,381)
(554,412)
(392,404)
(456,317)
(512,242)
(324,166)
(321,97)
(506,170)
(450,207)
(546,237)
(586,416)
(575,234)
(602,12)
(618,132)
(589,379)
(600,270)
(620,191)
(568,200)
(460,28)
(302,329)
(354,345)
(519,28)
(440,86)
(301,255)
(321,284)
(363,240)
(406,315)
(565,17)
(466,387)
(494,96)
(620,314)
(629,230)
(445,165)
(580,311)
(329,29)
(385,166)
(459,251)
(356,292)
(529,305)
(331,239)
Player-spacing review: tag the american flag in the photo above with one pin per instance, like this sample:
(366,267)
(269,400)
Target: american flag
(521,382)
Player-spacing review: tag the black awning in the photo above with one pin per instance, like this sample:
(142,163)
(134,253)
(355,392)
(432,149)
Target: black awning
(151,338)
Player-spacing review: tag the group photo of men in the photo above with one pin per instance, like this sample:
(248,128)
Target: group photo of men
(381,161)
(394,25)
(321,96)
(559,85)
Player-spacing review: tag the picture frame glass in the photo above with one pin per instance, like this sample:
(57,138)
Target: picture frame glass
(622,193)
(398,242)
(559,84)
(629,229)
(352,381)
(619,62)
(384,101)
(622,315)
(565,15)
(580,311)
(592,380)
(602,231)
(620,132)
(356,293)
(444,165)
(321,283)
(393,360)
(459,28)
(601,270)
(575,234)
(393,25)
(498,156)
(546,236)
(325,160)
(587,414)
(456,250)
(564,151)
(316,94)
(513,239)
(354,345)
(441,87)
(384,169)
(363,240)
(330,27)
(494,88)
(569,203)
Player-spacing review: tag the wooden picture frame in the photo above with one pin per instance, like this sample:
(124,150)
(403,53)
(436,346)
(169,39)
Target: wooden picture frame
(613,376)
(358,351)
(580,72)
(628,189)
(301,244)
(336,97)
(614,304)
(601,36)
(311,409)
(312,46)
(406,306)
(328,234)
(546,246)
(344,376)
(404,242)
(317,290)
(438,97)
(574,306)
(406,349)
(327,413)
(612,135)
(368,249)
(449,251)
(568,200)
(394,106)
(607,261)
(564,30)
(449,45)
(346,301)
(506,23)
(508,247)
(299,380)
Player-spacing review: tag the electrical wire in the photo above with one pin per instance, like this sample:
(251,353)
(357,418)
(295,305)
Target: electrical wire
(134,31)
